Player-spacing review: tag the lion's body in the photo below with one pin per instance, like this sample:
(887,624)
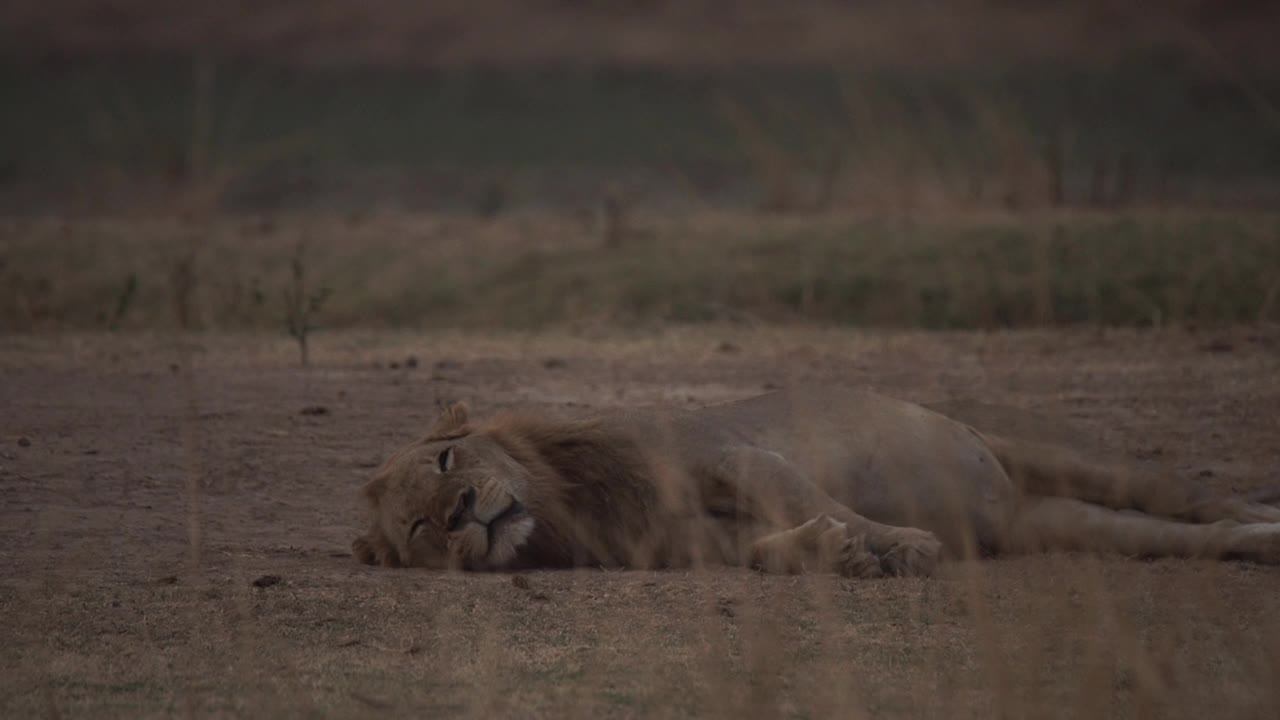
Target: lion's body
(825,478)
(890,461)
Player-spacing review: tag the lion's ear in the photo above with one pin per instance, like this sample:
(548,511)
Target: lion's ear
(452,419)
(374,489)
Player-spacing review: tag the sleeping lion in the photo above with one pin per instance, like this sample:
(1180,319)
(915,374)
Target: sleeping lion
(815,480)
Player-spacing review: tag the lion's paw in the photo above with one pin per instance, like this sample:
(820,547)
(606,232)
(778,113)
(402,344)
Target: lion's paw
(847,556)
(907,552)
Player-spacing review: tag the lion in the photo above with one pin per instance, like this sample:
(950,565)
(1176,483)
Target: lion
(824,480)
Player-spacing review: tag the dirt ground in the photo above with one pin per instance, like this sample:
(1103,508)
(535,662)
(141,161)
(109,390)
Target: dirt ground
(176,515)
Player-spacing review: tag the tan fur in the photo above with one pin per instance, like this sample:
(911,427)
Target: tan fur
(825,480)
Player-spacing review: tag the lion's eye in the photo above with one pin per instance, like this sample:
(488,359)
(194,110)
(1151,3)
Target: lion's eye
(444,461)
(466,499)
(418,525)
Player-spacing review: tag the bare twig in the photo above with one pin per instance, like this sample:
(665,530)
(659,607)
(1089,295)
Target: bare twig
(301,304)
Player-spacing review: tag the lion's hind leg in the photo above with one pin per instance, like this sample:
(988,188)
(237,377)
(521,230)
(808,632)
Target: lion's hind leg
(1240,509)
(1051,523)
(1042,470)
(822,544)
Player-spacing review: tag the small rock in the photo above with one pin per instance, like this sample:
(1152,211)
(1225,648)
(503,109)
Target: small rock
(393,365)
(554,363)
(522,583)
(1218,345)
(167,580)
(314,410)
(1206,473)
(266,581)
(411,362)
(728,348)
(725,607)
(24,441)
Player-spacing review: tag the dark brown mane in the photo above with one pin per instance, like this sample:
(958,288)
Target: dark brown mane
(592,491)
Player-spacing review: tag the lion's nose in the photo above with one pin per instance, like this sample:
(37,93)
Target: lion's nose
(491,502)
(462,508)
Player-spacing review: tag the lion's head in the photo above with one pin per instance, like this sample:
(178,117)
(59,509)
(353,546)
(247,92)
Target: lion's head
(454,499)
(516,491)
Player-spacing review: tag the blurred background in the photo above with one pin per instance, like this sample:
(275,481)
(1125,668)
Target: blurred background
(967,164)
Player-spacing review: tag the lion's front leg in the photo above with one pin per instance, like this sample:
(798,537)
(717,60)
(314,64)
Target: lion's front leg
(822,544)
(768,487)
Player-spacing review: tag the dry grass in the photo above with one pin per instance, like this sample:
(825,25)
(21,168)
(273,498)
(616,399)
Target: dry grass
(546,270)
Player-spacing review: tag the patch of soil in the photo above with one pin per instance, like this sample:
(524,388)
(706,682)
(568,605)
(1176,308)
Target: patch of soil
(143,578)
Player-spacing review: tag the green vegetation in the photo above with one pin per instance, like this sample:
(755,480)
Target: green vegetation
(1151,127)
(1136,191)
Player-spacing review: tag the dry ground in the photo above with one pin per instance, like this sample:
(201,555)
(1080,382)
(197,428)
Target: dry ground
(174,534)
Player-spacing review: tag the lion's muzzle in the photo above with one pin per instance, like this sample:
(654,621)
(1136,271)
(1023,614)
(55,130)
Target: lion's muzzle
(497,526)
